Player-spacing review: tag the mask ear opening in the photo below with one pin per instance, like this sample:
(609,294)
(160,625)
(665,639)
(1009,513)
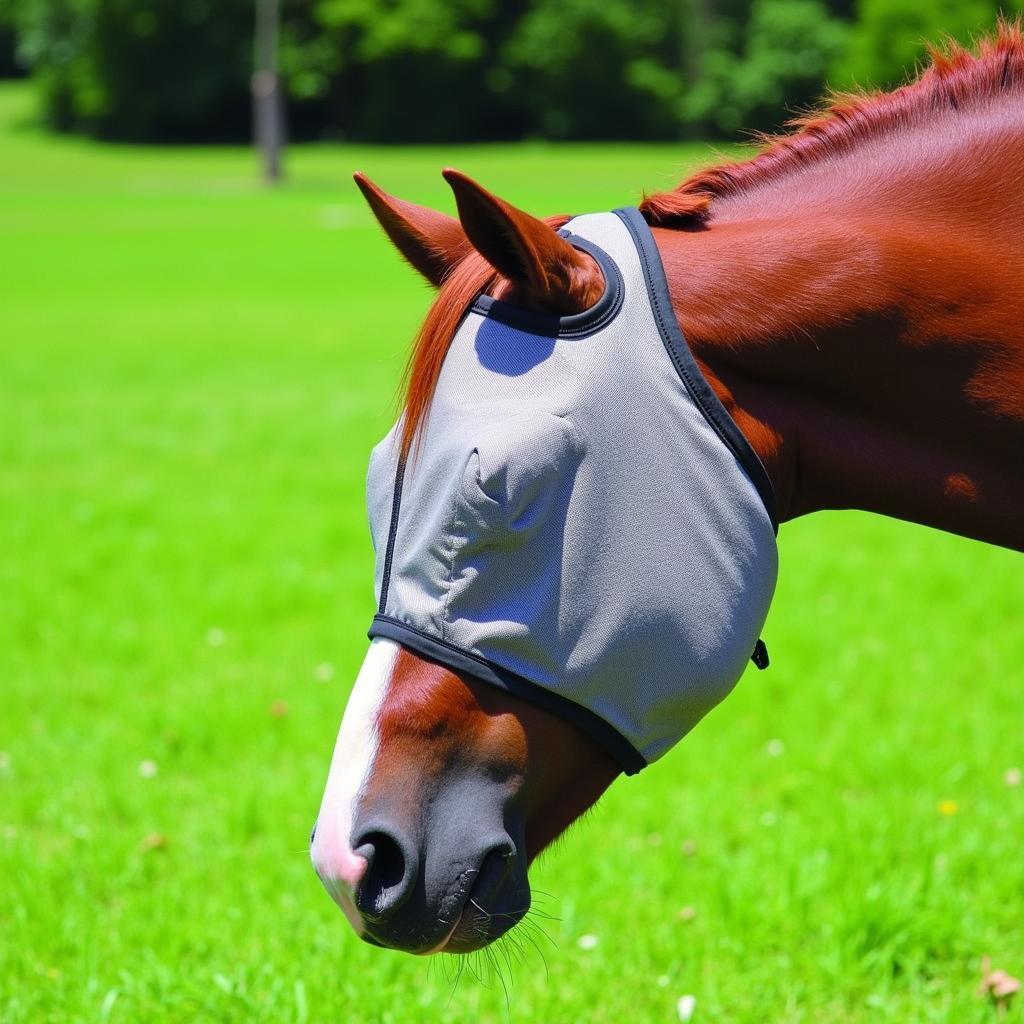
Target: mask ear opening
(548,273)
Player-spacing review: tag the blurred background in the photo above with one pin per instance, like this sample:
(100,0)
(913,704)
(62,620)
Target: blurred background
(465,70)
(193,369)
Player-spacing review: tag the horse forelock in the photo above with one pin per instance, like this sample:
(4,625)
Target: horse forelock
(956,79)
(471,277)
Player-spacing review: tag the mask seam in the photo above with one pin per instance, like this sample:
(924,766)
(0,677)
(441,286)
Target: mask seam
(456,523)
(575,326)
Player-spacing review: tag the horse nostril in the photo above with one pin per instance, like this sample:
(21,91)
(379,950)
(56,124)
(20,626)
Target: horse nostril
(390,874)
(495,869)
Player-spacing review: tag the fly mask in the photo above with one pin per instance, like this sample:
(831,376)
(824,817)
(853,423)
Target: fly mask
(580,521)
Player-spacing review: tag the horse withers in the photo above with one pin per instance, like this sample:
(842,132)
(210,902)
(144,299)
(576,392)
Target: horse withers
(607,417)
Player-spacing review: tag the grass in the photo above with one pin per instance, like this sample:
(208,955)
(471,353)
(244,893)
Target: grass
(192,371)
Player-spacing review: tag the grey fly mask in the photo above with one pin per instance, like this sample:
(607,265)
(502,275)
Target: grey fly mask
(581,523)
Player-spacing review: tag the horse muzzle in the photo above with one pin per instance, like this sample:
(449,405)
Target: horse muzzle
(446,880)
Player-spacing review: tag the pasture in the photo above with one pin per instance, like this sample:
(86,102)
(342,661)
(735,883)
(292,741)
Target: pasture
(192,372)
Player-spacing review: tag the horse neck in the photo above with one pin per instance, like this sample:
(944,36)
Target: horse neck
(873,361)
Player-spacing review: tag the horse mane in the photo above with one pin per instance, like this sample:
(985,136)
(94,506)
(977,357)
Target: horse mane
(956,78)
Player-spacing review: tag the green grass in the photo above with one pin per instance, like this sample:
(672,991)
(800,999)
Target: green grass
(192,372)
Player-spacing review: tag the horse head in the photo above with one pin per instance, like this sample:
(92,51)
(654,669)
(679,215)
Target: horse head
(536,609)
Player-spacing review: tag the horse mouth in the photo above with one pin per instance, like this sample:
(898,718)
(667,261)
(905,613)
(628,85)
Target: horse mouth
(476,926)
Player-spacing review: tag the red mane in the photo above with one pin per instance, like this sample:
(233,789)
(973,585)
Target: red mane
(956,78)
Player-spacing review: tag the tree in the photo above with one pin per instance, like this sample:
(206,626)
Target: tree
(164,69)
(890,36)
(788,48)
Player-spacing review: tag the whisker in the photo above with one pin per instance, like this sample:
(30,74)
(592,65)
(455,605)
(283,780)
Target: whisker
(471,961)
(544,894)
(487,916)
(509,939)
(501,978)
(537,912)
(537,927)
(540,953)
(458,975)
(502,948)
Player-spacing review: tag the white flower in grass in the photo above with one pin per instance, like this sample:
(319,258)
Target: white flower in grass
(685,1007)
(324,672)
(335,217)
(775,748)
(587,942)
(148,769)
(1013,777)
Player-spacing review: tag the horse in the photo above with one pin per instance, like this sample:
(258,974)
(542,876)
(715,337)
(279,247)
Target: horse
(849,296)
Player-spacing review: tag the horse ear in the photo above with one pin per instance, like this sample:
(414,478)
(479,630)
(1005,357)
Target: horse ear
(554,275)
(432,242)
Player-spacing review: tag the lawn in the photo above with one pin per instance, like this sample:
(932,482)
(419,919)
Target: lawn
(193,369)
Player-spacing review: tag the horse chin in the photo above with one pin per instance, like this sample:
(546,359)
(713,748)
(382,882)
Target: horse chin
(476,928)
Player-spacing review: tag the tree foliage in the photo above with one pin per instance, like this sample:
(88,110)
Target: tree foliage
(423,70)
(779,67)
(891,36)
(141,70)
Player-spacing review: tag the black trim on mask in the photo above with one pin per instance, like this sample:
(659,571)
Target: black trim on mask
(389,551)
(576,325)
(686,366)
(459,660)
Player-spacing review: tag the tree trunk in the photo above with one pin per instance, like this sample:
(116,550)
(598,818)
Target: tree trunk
(268,109)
